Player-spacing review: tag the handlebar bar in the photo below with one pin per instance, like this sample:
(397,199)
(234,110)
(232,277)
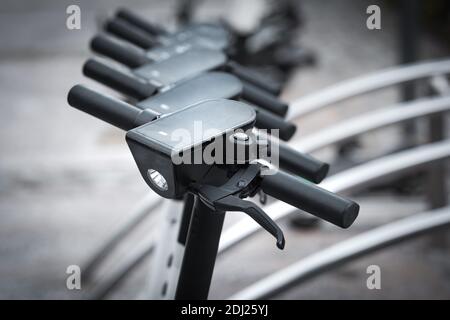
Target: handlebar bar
(251,76)
(124,30)
(263,99)
(118,113)
(121,81)
(139,22)
(302,164)
(306,196)
(127,54)
(296,162)
(267,120)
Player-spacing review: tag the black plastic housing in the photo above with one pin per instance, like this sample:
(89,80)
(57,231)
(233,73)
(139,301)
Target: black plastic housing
(181,67)
(154,145)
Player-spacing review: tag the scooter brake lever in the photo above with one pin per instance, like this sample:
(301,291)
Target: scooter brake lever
(228,197)
(233,203)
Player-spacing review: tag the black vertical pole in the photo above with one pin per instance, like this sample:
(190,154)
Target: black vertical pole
(409,14)
(436,182)
(409,51)
(200,253)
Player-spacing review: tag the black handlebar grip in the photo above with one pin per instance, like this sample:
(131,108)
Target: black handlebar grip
(302,164)
(268,120)
(108,109)
(255,78)
(129,55)
(263,99)
(306,196)
(126,31)
(139,22)
(118,80)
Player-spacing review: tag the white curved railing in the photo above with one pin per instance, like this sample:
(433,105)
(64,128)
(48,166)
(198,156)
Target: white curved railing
(345,251)
(372,121)
(365,84)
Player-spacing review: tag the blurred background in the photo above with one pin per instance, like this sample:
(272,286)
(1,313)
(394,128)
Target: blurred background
(67,180)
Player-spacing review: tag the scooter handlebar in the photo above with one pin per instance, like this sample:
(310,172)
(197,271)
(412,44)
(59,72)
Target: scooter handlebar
(306,196)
